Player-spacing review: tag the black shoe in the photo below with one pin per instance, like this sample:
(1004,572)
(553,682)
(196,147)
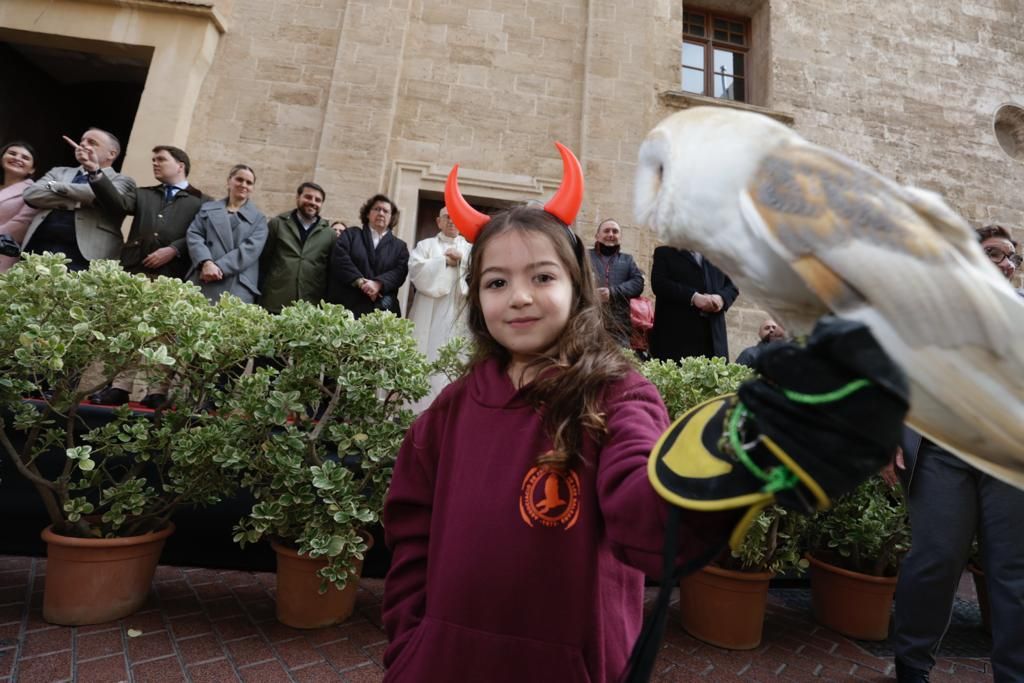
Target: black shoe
(155,401)
(110,396)
(908,674)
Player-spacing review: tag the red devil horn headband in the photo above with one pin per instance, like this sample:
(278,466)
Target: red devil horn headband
(564,205)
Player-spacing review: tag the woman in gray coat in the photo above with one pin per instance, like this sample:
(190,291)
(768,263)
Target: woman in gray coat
(225,241)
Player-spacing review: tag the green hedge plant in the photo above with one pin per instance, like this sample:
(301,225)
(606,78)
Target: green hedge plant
(65,335)
(865,531)
(328,415)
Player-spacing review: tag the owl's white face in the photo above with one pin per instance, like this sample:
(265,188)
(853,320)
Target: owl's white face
(652,191)
(693,166)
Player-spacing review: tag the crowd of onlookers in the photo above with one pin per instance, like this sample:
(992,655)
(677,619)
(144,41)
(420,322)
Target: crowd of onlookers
(229,245)
(223,242)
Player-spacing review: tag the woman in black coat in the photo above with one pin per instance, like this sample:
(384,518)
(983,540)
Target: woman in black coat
(689,312)
(369,264)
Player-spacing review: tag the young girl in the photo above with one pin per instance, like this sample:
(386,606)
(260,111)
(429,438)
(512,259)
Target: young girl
(520,514)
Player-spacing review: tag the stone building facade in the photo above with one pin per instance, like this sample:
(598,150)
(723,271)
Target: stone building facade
(385,95)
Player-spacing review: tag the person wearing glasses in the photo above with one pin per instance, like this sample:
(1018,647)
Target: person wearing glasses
(949,502)
(368,263)
(1001,249)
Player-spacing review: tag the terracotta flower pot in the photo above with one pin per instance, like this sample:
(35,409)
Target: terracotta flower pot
(724,607)
(981,588)
(856,605)
(95,580)
(299,602)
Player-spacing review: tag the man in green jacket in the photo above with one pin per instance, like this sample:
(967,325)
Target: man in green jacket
(294,261)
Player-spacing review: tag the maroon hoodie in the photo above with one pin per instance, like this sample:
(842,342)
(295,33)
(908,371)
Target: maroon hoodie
(503,572)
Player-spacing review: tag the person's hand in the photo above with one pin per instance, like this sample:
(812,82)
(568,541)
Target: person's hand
(703,302)
(86,156)
(210,272)
(371,288)
(717,303)
(160,257)
(604,293)
(889,473)
(452,257)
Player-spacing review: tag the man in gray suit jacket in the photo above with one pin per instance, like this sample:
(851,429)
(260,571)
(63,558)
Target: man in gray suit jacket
(71,221)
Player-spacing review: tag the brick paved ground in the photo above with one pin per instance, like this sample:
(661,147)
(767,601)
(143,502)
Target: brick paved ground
(205,625)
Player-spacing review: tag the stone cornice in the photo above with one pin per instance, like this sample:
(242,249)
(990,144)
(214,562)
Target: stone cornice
(685,100)
(210,9)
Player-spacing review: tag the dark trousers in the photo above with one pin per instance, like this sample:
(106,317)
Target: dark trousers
(949,500)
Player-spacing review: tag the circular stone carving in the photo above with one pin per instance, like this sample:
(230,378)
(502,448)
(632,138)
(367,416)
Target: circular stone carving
(1009,129)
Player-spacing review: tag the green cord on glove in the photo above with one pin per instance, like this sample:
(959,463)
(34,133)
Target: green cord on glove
(780,478)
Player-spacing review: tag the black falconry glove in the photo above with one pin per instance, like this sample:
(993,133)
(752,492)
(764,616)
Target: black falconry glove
(821,418)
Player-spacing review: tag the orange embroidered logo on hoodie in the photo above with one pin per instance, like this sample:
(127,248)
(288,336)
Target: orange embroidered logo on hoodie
(550,498)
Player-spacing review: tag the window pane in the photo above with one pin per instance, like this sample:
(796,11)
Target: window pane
(739,90)
(729,88)
(693,80)
(721,35)
(693,55)
(736,27)
(737,39)
(693,24)
(723,87)
(721,23)
(732,62)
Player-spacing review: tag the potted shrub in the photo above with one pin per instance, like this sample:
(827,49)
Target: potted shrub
(328,415)
(856,547)
(110,480)
(724,603)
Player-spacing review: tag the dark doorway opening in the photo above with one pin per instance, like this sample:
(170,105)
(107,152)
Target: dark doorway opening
(54,85)
(430,205)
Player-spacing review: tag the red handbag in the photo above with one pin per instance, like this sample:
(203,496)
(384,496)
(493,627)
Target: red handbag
(641,319)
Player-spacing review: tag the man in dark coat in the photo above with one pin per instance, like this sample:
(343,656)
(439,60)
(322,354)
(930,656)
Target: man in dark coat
(949,503)
(369,264)
(156,241)
(689,312)
(770,331)
(162,214)
(293,266)
(616,276)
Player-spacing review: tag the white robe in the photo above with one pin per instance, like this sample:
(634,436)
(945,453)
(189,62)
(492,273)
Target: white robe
(440,292)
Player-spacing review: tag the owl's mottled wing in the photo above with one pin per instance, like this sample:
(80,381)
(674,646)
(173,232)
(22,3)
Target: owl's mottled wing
(905,264)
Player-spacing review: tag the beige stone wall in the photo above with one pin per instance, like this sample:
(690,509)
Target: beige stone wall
(264,102)
(911,93)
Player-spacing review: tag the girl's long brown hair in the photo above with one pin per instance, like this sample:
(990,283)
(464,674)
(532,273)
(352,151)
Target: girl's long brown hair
(569,383)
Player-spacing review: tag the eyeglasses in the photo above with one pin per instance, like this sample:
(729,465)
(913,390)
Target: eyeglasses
(996,255)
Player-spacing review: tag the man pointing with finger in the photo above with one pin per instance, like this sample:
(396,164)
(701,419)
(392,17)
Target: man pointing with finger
(72,222)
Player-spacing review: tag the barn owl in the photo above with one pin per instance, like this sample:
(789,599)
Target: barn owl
(803,230)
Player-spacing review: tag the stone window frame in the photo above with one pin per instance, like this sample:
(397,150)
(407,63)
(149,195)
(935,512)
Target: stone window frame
(709,43)
(758,67)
